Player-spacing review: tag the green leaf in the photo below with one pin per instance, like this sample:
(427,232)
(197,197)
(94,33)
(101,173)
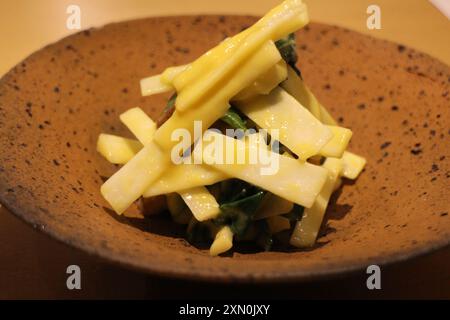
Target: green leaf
(238,214)
(234,120)
(248,205)
(286,47)
(171,103)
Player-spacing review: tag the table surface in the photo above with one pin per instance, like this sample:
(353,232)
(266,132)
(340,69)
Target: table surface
(33,265)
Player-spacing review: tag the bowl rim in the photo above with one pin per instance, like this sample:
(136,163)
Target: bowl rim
(298,276)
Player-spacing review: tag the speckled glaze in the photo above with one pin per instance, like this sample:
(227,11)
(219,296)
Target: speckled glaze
(396,101)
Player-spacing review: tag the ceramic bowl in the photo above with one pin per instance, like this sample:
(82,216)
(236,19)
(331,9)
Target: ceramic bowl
(396,100)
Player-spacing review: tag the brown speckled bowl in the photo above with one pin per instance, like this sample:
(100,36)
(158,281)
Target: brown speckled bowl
(396,101)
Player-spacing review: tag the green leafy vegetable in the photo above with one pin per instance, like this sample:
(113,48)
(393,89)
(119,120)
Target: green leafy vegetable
(171,103)
(234,189)
(234,120)
(286,46)
(238,214)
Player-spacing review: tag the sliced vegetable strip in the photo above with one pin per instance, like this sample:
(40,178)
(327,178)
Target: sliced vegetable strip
(117,149)
(295,86)
(184,176)
(298,129)
(223,60)
(215,107)
(295,181)
(338,144)
(202,204)
(307,229)
(222,242)
(353,165)
(133,179)
(141,125)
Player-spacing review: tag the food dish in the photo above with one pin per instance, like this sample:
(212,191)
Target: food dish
(79,86)
(271,155)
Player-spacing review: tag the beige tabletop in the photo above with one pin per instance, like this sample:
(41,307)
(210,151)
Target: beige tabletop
(33,266)
(27,25)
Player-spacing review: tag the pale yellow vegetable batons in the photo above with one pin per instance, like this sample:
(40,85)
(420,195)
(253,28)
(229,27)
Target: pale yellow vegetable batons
(273,205)
(117,150)
(161,83)
(184,176)
(133,179)
(154,85)
(337,145)
(307,229)
(326,117)
(214,107)
(201,203)
(298,129)
(199,200)
(278,224)
(295,86)
(222,242)
(230,55)
(296,181)
(265,83)
(171,73)
(353,165)
(141,125)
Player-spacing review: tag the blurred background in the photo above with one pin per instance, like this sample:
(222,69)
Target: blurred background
(27,25)
(33,266)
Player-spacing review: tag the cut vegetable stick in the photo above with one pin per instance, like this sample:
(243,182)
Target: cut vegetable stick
(117,149)
(201,203)
(262,85)
(282,20)
(184,176)
(171,73)
(222,242)
(215,107)
(161,83)
(176,177)
(353,165)
(306,230)
(337,145)
(140,124)
(273,205)
(265,83)
(154,85)
(326,117)
(204,64)
(295,86)
(298,129)
(296,181)
(338,184)
(278,224)
(135,177)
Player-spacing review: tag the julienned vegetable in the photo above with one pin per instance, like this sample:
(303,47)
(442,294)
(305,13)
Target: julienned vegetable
(247,82)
